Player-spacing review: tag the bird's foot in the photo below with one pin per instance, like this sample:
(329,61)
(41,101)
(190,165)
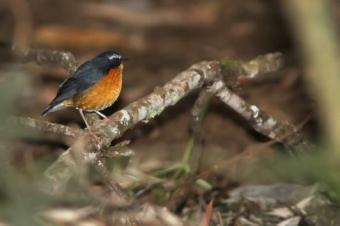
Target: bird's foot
(102,116)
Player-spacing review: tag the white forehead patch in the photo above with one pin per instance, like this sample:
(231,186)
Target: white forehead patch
(113,56)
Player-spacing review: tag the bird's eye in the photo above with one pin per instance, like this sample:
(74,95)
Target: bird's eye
(116,61)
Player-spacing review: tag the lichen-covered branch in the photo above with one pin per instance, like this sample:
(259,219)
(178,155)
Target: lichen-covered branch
(149,107)
(262,122)
(263,64)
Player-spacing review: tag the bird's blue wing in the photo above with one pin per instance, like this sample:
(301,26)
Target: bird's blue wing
(84,77)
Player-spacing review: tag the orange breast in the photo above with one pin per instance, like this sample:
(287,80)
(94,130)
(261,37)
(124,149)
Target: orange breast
(101,95)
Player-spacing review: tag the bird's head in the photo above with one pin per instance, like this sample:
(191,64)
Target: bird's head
(112,58)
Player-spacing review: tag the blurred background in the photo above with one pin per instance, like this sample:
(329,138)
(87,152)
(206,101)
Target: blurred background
(161,39)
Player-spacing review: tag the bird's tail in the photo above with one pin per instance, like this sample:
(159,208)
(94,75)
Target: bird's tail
(53,107)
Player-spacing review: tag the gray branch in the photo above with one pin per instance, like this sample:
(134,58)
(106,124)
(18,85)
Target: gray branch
(49,57)
(46,126)
(149,107)
(262,122)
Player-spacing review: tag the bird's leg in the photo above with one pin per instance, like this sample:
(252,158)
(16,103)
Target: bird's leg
(88,126)
(100,114)
(83,117)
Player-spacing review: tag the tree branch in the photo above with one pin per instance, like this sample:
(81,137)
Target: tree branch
(233,70)
(195,146)
(147,108)
(48,57)
(262,122)
(45,126)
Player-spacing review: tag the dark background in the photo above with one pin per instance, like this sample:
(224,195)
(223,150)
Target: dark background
(161,39)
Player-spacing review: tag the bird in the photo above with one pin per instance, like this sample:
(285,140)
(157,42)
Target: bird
(94,86)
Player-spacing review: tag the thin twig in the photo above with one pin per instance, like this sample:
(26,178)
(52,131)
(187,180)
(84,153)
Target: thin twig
(45,126)
(115,188)
(198,113)
(49,57)
(263,64)
(260,120)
